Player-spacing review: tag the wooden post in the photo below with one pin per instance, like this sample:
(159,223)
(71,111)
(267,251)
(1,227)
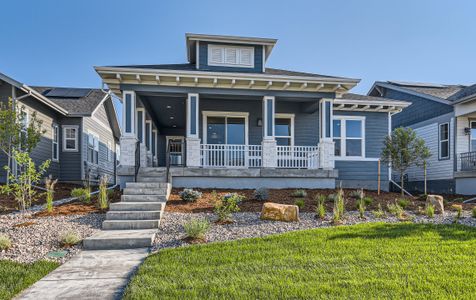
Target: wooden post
(378,180)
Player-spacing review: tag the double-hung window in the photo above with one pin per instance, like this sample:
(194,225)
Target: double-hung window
(70,138)
(473,136)
(93,148)
(284,129)
(232,56)
(55,142)
(444,141)
(349,136)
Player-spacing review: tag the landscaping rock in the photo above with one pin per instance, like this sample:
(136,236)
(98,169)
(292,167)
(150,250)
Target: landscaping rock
(280,212)
(437,201)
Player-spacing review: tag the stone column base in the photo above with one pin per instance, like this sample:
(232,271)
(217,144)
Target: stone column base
(193,152)
(326,154)
(269,156)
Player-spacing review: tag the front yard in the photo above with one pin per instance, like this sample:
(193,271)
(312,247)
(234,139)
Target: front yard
(363,261)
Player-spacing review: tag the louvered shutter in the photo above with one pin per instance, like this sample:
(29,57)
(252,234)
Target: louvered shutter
(246,57)
(216,55)
(230,56)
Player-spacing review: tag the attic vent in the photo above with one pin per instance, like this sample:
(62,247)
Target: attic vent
(232,56)
(68,93)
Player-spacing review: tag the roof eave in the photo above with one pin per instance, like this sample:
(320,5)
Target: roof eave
(407,91)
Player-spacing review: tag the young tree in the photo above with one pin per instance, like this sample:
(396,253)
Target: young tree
(403,149)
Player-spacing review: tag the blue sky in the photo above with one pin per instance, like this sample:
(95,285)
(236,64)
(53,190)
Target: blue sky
(58,42)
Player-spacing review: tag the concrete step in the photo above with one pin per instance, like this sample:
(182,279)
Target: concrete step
(130,224)
(120,239)
(144,191)
(136,206)
(146,185)
(143,198)
(141,178)
(133,215)
(152,172)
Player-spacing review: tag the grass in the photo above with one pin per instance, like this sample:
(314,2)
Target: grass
(396,261)
(15,277)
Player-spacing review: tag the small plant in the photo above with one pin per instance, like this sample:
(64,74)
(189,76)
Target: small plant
(403,202)
(474,212)
(103,199)
(50,190)
(261,194)
(69,239)
(459,210)
(238,198)
(339,207)
(196,229)
(300,193)
(430,210)
(379,213)
(396,210)
(361,208)
(190,195)
(299,203)
(82,194)
(332,197)
(321,209)
(5,242)
(357,194)
(225,206)
(368,200)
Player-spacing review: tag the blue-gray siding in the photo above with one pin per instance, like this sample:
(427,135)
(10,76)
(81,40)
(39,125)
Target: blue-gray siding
(203,60)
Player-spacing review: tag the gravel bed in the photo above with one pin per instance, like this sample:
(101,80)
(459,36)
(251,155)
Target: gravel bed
(34,242)
(248,224)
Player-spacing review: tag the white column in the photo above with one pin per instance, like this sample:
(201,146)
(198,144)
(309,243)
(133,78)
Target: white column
(128,138)
(326,143)
(192,136)
(269,150)
(154,147)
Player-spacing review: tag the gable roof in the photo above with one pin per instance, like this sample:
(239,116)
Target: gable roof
(466,94)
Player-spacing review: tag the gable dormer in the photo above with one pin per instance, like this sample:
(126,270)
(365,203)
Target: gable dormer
(228,53)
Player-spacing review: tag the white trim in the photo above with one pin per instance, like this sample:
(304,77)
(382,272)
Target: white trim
(133,113)
(197,55)
(285,116)
(343,138)
(140,109)
(238,52)
(355,158)
(266,134)
(100,103)
(470,136)
(76,140)
(188,116)
(225,114)
(55,127)
(440,141)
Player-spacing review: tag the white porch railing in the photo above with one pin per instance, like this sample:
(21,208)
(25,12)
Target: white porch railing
(231,156)
(298,157)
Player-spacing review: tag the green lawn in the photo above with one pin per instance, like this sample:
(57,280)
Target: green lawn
(15,277)
(364,261)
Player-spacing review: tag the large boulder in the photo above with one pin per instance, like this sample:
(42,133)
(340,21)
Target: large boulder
(437,202)
(280,212)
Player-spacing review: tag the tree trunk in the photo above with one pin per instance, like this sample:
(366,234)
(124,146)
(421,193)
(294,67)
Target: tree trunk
(401,183)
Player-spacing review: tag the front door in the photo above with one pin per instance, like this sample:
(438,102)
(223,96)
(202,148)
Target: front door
(175,150)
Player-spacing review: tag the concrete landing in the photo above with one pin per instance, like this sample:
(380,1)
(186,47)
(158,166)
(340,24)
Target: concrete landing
(120,239)
(99,274)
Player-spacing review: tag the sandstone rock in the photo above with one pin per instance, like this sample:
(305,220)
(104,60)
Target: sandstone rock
(437,201)
(279,212)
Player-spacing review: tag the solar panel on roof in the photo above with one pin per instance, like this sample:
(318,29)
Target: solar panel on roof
(68,93)
(418,84)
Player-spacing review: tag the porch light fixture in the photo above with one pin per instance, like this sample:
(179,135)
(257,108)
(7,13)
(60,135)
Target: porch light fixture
(467,131)
(169,107)
(174,126)
(171,118)
(259,122)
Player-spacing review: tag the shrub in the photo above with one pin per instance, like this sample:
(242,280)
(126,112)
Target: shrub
(379,213)
(339,207)
(321,209)
(69,238)
(459,210)
(474,212)
(50,190)
(196,229)
(396,210)
(5,242)
(83,194)
(237,197)
(103,199)
(332,197)
(190,195)
(357,194)
(261,194)
(299,203)
(361,207)
(299,193)
(403,202)
(225,206)
(430,210)
(368,200)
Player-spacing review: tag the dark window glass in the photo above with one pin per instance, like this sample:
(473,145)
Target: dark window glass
(353,128)
(235,131)
(216,130)
(269,105)
(193,116)
(147,135)
(353,147)
(328,119)
(139,126)
(337,147)
(282,127)
(283,141)
(128,112)
(336,128)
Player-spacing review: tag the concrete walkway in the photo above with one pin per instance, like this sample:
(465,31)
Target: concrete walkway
(95,274)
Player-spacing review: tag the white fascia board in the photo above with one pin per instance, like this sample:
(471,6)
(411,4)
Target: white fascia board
(401,104)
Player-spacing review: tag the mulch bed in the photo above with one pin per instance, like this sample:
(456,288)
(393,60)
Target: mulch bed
(285,196)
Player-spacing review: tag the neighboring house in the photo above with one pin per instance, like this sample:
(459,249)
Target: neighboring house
(445,117)
(224,119)
(81,129)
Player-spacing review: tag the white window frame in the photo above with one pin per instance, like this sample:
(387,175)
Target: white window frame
(95,145)
(223,49)
(440,141)
(343,137)
(224,114)
(285,116)
(54,145)
(471,138)
(76,130)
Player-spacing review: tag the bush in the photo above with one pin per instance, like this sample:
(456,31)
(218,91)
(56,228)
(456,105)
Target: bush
(357,194)
(379,213)
(5,242)
(69,238)
(237,197)
(321,209)
(196,229)
(332,197)
(225,206)
(261,194)
(299,193)
(403,202)
(368,200)
(430,210)
(50,190)
(83,194)
(396,210)
(459,210)
(190,195)
(103,199)
(299,203)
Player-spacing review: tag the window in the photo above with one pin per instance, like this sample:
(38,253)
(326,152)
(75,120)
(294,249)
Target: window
(284,129)
(230,56)
(473,136)
(444,140)
(225,128)
(109,153)
(70,138)
(55,142)
(93,148)
(349,136)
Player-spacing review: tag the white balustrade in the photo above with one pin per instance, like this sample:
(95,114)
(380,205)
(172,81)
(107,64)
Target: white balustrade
(230,156)
(298,157)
